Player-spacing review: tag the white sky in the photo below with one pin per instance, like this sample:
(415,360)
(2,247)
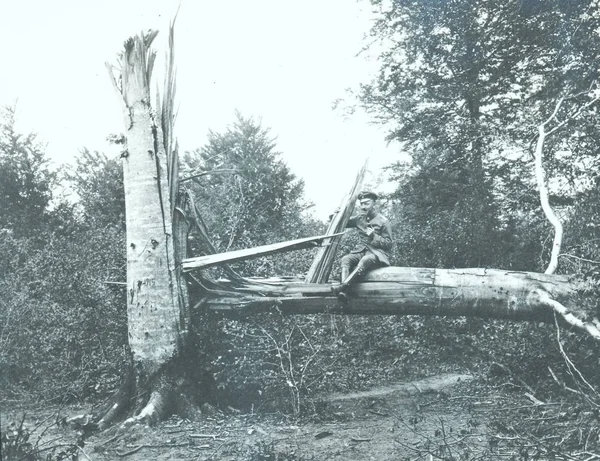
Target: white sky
(283,61)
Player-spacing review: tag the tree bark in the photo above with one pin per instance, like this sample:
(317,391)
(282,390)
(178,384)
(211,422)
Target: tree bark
(153,311)
(157,300)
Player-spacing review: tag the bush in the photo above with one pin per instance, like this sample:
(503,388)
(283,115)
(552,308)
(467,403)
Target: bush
(64,330)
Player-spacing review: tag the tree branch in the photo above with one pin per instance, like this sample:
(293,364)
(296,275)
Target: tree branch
(205,173)
(540,175)
(568,316)
(541,178)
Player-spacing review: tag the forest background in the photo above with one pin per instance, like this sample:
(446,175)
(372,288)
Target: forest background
(463,87)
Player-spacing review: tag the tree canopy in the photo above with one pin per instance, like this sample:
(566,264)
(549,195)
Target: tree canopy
(245,192)
(26,180)
(463,86)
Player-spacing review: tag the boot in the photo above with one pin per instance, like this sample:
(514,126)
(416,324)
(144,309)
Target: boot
(339,290)
(347,277)
(345,273)
(346,282)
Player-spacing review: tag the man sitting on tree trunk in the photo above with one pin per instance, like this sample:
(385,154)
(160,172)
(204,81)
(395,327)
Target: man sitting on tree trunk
(372,251)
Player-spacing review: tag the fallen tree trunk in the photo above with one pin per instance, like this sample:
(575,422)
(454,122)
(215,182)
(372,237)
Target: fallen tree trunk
(486,293)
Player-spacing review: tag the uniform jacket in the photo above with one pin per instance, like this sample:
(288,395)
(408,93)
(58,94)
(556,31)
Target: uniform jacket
(379,242)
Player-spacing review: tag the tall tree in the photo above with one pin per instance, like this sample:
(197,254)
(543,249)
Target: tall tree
(245,192)
(25,178)
(98,182)
(463,85)
(157,306)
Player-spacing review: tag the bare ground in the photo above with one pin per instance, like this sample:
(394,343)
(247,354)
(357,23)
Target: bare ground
(441,417)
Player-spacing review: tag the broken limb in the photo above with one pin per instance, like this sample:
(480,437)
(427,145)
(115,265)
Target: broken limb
(321,266)
(567,316)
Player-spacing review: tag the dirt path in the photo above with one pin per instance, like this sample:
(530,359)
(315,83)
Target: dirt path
(421,386)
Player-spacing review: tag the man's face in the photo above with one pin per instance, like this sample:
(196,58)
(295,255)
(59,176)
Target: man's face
(367,206)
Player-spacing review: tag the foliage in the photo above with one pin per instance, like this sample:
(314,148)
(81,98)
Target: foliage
(290,353)
(442,220)
(15,443)
(247,196)
(25,178)
(463,85)
(98,182)
(62,326)
(582,244)
(450,71)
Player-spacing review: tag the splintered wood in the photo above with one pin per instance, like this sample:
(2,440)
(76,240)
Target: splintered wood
(204,262)
(323,262)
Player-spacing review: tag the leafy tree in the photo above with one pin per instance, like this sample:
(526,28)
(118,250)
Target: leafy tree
(442,220)
(452,70)
(247,195)
(25,178)
(63,325)
(582,244)
(98,182)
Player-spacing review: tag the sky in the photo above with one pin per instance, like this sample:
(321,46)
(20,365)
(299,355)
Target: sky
(280,61)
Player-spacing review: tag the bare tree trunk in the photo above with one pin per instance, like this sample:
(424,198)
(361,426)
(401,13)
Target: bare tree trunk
(153,311)
(157,303)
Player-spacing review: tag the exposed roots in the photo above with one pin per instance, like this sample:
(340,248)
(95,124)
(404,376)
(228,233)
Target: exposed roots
(131,401)
(155,410)
(118,405)
(178,389)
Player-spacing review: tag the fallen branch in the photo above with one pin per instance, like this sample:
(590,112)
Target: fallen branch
(535,401)
(571,366)
(204,262)
(130,452)
(84,453)
(110,440)
(571,319)
(321,266)
(162,445)
(512,375)
(378,413)
(204,436)
(562,384)
(178,431)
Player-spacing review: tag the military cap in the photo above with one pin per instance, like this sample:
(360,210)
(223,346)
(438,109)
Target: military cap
(367,194)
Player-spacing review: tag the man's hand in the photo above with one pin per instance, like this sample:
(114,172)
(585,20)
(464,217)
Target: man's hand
(370,230)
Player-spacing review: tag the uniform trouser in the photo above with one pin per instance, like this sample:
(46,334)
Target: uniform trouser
(363,261)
